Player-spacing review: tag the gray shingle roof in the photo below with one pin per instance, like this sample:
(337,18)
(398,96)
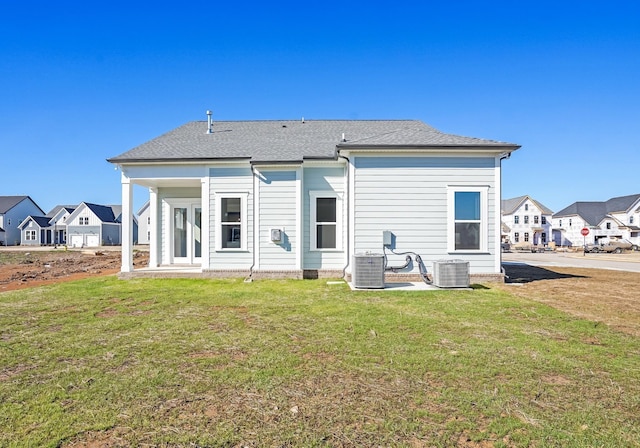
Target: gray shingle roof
(293,140)
(594,212)
(57,208)
(8,202)
(508,206)
(42,221)
(103,212)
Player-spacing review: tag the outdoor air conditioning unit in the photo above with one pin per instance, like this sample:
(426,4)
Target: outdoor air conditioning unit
(368,271)
(451,274)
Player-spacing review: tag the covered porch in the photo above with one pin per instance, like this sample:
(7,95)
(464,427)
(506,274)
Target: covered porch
(178,224)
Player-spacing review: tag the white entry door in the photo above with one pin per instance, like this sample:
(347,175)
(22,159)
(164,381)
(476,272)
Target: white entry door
(186,233)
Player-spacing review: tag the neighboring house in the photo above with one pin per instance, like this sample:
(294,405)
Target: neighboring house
(525,221)
(35,231)
(300,198)
(58,221)
(144,223)
(14,210)
(50,229)
(92,225)
(618,217)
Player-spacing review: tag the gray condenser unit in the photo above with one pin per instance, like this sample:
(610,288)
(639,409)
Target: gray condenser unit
(451,274)
(368,271)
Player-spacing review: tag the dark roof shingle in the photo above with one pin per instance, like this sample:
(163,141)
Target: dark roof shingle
(594,212)
(292,140)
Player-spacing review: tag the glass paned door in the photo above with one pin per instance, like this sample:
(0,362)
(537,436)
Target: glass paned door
(187,233)
(197,232)
(180,232)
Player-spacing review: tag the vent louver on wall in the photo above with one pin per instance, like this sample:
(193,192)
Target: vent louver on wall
(451,274)
(368,271)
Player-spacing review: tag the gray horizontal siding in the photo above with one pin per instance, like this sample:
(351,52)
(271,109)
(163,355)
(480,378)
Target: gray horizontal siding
(323,179)
(408,196)
(278,211)
(231,180)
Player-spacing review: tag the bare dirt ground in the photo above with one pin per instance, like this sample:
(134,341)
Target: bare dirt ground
(600,295)
(606,296)
(26,269)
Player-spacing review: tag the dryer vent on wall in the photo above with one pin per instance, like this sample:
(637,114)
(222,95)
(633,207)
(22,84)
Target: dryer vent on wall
(368,271)
(451,274)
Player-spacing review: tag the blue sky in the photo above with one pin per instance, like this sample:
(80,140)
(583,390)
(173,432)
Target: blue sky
(84,81)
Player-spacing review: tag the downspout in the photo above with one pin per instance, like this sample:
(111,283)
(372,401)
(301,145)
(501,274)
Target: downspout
(344,269)
(253,255)
(503,156)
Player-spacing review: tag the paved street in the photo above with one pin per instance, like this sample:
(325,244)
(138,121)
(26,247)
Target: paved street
(629,261)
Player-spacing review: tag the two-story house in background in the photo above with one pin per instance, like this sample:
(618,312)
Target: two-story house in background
(525,222)
(617,217)
(13,210)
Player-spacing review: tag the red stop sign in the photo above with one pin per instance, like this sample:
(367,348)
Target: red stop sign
(584,231)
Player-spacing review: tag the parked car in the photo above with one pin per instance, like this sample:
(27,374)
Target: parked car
(615,246)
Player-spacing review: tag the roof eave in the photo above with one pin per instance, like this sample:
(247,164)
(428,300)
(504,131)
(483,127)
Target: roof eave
(182,161)
(428,148)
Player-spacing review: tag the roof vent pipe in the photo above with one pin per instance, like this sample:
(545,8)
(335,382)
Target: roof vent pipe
(209,122)
(343,139)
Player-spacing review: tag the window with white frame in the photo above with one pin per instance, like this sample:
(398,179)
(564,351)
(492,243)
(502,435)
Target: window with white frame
(231,221)
(84,221)
(608,226)
(535,219)
(526,219)
(526,237)
(468,214)
(544,220)
(516,237)
(526,207)
(516,219)
(30,235)
(630,219)
(544,237)
(325,220)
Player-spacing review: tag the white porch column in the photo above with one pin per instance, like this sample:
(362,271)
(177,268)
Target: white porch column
(205,240)
(154,227)
(299,217)
(127,225)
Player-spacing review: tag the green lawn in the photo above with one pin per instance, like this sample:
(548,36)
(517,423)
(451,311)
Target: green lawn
(304,363)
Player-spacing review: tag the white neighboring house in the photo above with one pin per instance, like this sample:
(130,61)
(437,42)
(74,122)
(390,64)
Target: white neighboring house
(525,221)
(93,225)
(58,221)
(296,198)
(14,210)
(618,217)
(144,223)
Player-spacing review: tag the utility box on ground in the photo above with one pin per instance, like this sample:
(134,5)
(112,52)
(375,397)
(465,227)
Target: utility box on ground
(368,271)
(451,274)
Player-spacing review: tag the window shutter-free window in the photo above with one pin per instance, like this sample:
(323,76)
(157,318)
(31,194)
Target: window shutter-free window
(468,214)
(325,220)
(467,220)
(231,221)
(326,223)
